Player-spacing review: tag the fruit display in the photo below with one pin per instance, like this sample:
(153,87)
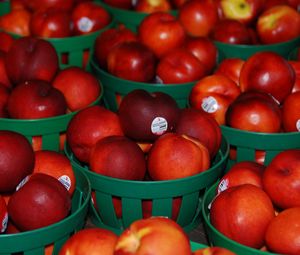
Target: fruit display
(132,13)
(238,28)
(253,100)
(251,26)
(166,38)
(140,154)
(149,126)
(56,19)
(138,238)
(45,199)
(38,96)
(158,56)
(71,27)
(169,38)
(248,217)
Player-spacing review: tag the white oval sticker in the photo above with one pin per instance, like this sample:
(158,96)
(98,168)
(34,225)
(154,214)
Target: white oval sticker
(298,125)
(66,181)
(223,185)
(159,126)
(85,24)
(4,223)
(22,183)
(209,104)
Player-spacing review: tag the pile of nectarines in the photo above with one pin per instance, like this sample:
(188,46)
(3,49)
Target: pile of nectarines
(159,51)
(37,187)
(156,235)
(246,22)
(265,85)
(33,86)
(259,95)
(54,19)
(149,139)
(181,142)
(258,206)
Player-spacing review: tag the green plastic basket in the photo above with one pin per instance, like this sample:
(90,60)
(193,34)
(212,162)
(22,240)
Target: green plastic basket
(49,129)
(245,51)
(115,87)
(161,193)
(247,143)
(218,239)
(34,242)
(129,18)
(293,53)
(70,50)
(195,246)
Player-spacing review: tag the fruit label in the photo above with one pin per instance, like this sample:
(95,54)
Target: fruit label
(66,181)
(223,185)
(85,24)
(22,183)
(209,205)
(159,125)
(298,125)
(209,104)
(158,80)
(4,222)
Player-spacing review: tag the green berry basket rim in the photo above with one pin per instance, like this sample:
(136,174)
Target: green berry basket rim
(261,134)
(197,181)
(77,41)
(264,141)
(122,12)
(143,85)
(50,119)
(68,223)
(292,42)
(292,55)
(45,126)
(244,51)
(213,232)
(195,246)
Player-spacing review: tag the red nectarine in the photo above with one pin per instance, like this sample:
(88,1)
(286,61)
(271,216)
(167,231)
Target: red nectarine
(88,126)
(118,157)
(90,241)
(174,156)
(157,235)
(243,213)
(16,159)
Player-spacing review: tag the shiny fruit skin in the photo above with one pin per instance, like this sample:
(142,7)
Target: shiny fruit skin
(13,145)
(40,202)
(90,241)
(283,232)
(242,213)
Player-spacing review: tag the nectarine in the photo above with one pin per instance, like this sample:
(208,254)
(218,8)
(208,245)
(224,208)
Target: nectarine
(157,235)
(174,156)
